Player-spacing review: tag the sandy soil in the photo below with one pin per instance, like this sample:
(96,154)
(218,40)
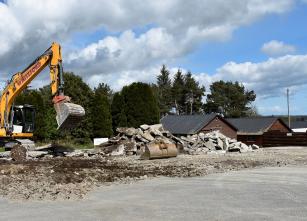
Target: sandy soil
(72,178)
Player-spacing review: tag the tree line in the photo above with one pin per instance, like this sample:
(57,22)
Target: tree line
(184,95)
(136,104)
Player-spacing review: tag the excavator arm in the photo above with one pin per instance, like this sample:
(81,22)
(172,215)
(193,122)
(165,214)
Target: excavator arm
(68,114)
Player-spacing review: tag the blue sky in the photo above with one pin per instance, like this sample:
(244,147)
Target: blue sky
(246,41)
(260,43)
(245,46)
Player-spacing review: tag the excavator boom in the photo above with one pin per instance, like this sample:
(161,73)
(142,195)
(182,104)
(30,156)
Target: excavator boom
(68,114)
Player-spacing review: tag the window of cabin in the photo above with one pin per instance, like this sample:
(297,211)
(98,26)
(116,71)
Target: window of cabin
(18,119)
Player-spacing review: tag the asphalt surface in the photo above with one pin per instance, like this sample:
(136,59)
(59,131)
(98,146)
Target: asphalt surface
(258,194)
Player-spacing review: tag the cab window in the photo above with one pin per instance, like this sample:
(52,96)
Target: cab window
(18,117)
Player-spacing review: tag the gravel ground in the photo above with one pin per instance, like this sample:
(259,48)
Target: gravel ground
(72,178)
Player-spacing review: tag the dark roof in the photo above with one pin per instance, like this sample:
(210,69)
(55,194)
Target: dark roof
(298,124)
(254,125)
(188,124)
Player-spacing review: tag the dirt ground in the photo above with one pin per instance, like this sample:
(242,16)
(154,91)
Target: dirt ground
(72,178)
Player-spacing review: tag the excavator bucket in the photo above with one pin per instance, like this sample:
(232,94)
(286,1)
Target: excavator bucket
(69,114)
(159,150)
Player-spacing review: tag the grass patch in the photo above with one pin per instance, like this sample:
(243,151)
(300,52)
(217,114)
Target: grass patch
(2,149)
(69,144)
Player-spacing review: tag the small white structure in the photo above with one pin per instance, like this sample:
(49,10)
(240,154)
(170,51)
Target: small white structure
(98,141)
(299,126)
(299,130)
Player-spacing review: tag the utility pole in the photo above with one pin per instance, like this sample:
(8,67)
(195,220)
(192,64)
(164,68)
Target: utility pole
(176,106)
(288,107)
(191,101)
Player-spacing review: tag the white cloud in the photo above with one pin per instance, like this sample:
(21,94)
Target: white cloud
(10,30)
(276,109)
(126,51)
(177,28)
(277,48)
(123,78)
(269,78)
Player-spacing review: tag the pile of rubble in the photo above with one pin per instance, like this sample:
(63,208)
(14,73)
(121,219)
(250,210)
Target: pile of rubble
(130,141)
(213,142)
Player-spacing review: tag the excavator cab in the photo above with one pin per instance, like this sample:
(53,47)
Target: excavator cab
(23,118)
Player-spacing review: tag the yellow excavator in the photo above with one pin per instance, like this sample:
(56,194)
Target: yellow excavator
(17,122)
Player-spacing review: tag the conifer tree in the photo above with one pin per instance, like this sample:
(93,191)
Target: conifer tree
(164,85)
(135,105)
(230,98)
(119,118)
(101,112)
(178,97)
(193,93)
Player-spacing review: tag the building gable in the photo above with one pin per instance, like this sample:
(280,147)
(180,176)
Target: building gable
(258,125)
(218,123)
(280,126)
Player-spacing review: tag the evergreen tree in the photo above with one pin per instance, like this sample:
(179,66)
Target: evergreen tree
(135,105)
(141,107)
(81,94)
(119,118)
(105,89)
(193,94)
(50,120)
(101,112)
(155,91)
(178,95)
(229,98)
(164,85)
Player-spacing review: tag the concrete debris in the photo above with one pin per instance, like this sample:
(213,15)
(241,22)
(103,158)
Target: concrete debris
(213,142)
(5,154)
(146,135)
(43,147)
(133,141)
(76,153)
(119,150)
(255,147)
(144,127)
(36,154)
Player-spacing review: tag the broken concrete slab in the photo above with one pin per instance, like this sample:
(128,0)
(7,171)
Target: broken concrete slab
(192,144)
(155,132)
(225,144)
(36,154)
(120,150)
(156,127)
(76,153)
(220,143)
(140,138)
(209,144)
(144,127)
(129,131)
(44,147)
(146,135)
(5,154)
(255,147)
